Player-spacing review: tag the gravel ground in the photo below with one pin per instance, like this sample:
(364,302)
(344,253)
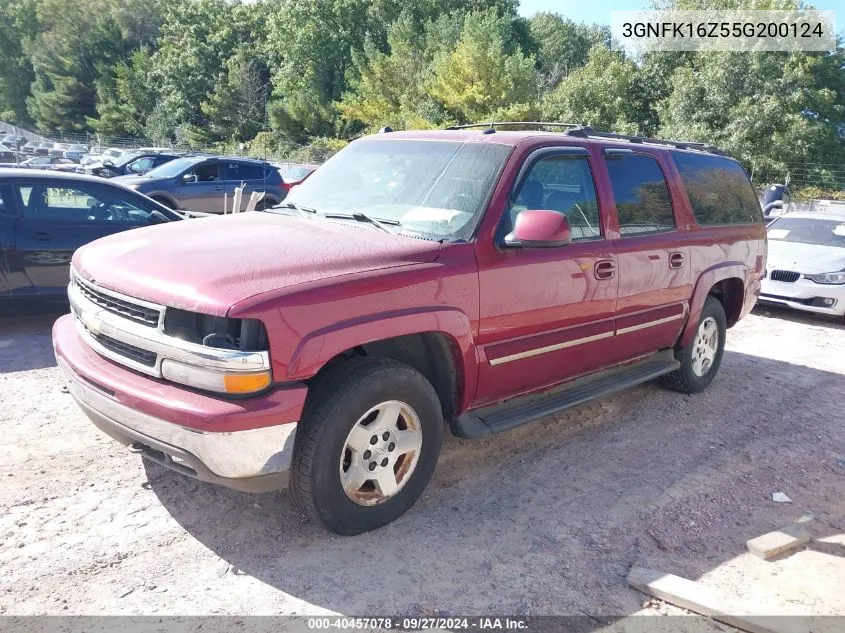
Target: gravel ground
(546,519)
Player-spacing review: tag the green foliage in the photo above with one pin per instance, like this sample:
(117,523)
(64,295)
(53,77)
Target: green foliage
(282,74)
(18,27)
(80,41)
(485,71)
(818,193)
(563,46)
(778,108)
(601,94)
(319,150)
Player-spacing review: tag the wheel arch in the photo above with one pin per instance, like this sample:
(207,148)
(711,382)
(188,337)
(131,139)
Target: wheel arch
(727,284)
(437,343)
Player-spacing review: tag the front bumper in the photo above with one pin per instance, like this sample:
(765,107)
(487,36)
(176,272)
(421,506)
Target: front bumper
(805,295)
(249,455)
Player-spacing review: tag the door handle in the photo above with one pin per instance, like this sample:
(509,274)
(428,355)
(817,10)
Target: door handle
(676,260)
(218,188)
(604,269)
(41,236)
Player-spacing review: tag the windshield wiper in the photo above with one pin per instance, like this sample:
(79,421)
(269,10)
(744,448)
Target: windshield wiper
(287,204)
(363,217)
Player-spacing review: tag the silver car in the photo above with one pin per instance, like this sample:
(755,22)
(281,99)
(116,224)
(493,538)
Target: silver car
(806,262)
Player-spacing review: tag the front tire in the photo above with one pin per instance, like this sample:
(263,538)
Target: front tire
(367,445)
(700,360)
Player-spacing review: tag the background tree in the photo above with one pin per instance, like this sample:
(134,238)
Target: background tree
(602,94)
(18,27)
(485,72)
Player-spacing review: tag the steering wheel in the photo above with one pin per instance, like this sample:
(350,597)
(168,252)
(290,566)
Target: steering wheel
(98,212)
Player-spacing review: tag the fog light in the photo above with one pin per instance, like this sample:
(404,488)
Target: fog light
(214,380)
(829,302)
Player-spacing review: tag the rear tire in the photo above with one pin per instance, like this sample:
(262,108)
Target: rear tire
(371,427)
(700,360)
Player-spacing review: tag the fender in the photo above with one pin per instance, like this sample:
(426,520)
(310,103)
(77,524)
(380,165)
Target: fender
(706,280)
(320,346)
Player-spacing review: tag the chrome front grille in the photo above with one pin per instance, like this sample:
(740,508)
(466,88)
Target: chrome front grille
(136,312)
(130,332)
(786,276)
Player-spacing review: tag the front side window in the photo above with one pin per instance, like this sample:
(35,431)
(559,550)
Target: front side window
(718,189)
(642,197)
(75,204)
(432,189)
(207,172)
(563,183)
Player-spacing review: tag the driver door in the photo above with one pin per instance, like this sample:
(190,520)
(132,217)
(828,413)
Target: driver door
(57,217)
(547,314)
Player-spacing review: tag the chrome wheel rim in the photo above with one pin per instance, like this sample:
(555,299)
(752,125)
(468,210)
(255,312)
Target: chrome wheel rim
(705,347)
(380,453)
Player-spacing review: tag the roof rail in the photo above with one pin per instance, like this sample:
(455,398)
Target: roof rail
(583,131)
(494,124)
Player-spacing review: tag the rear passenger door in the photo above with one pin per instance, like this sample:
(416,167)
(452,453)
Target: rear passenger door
(251,175)
(652,251)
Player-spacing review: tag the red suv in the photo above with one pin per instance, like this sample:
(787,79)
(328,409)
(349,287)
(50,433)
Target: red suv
(460,280)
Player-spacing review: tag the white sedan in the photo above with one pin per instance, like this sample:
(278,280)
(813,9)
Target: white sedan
(806,263)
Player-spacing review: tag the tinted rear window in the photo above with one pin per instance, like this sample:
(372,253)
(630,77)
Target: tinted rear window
(718,189)
(642,196)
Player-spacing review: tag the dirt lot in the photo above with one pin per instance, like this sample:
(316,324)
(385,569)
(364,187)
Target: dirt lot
(546,519)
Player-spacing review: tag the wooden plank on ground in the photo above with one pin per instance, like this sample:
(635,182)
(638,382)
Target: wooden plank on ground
(770,545)
(695,597)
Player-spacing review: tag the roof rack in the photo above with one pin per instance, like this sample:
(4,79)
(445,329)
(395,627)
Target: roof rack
(493,124)
(584,131)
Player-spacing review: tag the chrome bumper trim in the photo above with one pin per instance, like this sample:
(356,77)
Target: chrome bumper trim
(236,455)
(92,318)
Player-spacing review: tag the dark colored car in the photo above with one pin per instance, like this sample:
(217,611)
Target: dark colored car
(416,283)
(204,183)
(45,216)
(130,164)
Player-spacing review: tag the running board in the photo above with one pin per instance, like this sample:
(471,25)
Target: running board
(505,416)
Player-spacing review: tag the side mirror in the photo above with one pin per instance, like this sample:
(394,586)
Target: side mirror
(189,178)
(539,228)
(108,163)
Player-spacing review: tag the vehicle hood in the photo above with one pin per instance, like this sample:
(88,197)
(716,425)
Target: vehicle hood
(209,264)
(135,180)
(805,258)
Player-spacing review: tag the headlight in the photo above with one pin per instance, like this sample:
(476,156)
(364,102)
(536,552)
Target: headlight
(215,380)
(828,278)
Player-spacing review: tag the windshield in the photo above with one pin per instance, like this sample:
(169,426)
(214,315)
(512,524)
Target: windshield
(433,189)
(808,231)
(123,159)
(172,169)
